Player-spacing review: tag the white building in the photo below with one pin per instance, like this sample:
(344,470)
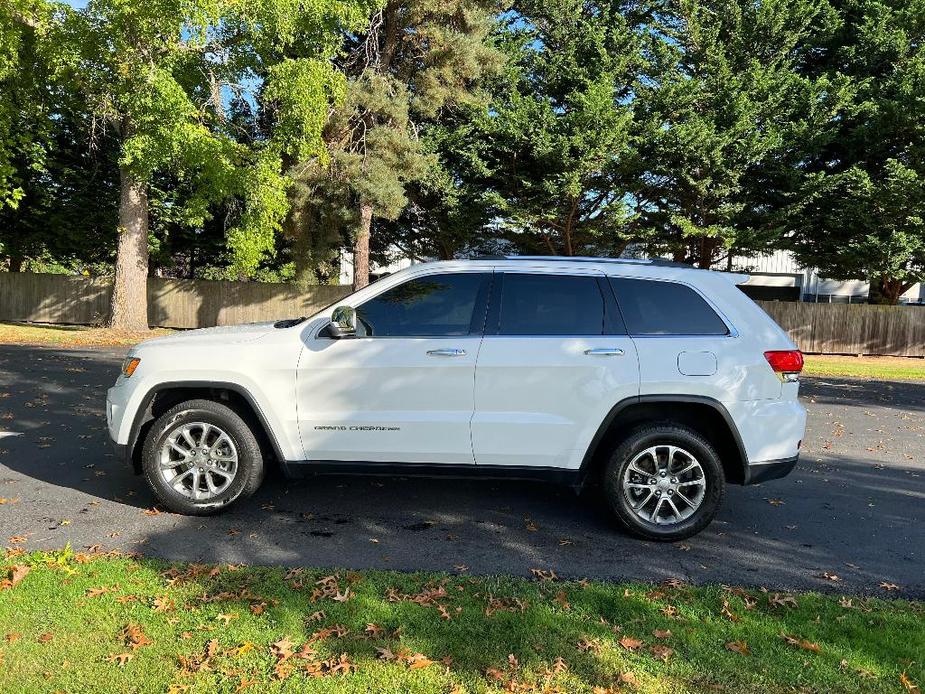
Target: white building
(780,269)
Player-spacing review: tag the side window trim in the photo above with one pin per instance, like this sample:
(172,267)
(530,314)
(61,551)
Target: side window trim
(614,324)
(493,315)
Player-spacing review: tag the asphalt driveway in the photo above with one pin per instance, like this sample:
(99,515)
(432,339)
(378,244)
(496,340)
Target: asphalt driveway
(851,517)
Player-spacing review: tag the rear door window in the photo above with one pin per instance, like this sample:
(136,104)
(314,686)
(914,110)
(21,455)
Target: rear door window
(536,304)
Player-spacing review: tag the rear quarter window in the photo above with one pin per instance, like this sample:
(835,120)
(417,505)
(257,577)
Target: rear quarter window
(654,307)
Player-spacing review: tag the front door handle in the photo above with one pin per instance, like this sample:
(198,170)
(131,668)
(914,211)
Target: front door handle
(605,352)
(447,352)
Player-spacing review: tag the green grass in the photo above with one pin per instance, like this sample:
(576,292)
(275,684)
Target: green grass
(877,368)
(211,630)
(72,335)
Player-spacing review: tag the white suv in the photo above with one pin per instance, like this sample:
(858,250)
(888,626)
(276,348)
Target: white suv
(662,382)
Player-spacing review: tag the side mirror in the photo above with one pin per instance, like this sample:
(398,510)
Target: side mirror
(343,322)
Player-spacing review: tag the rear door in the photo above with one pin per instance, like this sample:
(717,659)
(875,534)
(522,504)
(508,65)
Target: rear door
(554,360)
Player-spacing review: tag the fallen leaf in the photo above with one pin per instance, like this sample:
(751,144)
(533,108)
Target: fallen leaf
(385,654)
(134,636)
(835,578)
(778,600)
(889,586)
(628,678)
(727,613)
(226,618)
(153,511)
(908,684)
(46,637)
(738,647)
(630,643)
(544,575)
(660,634)
(775,502)
(96,592)
(15,574)
(589,645)
(562,599)
(418,660)
(661,652)
(245,647)
(800,643)
(282,649)
(120,658)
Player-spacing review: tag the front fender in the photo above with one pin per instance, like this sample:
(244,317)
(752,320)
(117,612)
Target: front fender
(138,403)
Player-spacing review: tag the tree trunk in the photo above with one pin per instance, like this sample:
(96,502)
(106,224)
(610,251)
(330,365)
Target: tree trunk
(16,262)
(129,310)
(887,290)
(361,248)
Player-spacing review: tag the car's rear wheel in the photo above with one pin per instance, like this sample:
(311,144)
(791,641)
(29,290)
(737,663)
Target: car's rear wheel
(200,457)
(664,482)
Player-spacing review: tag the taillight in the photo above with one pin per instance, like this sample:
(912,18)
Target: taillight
(787,363)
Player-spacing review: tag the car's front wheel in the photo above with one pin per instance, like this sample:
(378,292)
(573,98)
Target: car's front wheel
(664,482)
(200,457)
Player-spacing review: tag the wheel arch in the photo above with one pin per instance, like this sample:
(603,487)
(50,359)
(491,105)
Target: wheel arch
(163,396)
(703,414)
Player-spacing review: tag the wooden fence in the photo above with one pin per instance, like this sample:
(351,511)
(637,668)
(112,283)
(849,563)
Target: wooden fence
(171,303)
(852,328)
(824,328)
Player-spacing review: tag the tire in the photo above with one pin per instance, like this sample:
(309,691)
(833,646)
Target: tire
(233,472)
(682,520)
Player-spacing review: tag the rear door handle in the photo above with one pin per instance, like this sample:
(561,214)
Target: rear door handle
(447,352)
(605,352)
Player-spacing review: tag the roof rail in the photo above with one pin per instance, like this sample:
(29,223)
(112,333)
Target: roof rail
(656,262)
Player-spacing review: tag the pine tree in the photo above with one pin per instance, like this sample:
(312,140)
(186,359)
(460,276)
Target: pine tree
(415,60)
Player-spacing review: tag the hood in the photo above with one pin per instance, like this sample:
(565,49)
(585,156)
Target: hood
(221,335)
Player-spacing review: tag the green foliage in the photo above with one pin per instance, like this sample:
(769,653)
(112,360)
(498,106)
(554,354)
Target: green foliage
(417,62)
(731,100)
(700,129)
(561,125)
(163,75)
(850,225)
(23,33)
(57,198)
(857,211)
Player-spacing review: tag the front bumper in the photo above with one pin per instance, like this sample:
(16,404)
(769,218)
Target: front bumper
(756,473)
(116,398)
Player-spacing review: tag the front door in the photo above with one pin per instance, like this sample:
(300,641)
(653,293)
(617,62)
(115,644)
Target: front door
(402,389)
(554,361)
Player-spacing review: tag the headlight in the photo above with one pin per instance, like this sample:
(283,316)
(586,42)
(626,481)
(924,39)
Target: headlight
(129,366)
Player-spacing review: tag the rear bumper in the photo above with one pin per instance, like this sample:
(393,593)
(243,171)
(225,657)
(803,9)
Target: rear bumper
(756,473)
